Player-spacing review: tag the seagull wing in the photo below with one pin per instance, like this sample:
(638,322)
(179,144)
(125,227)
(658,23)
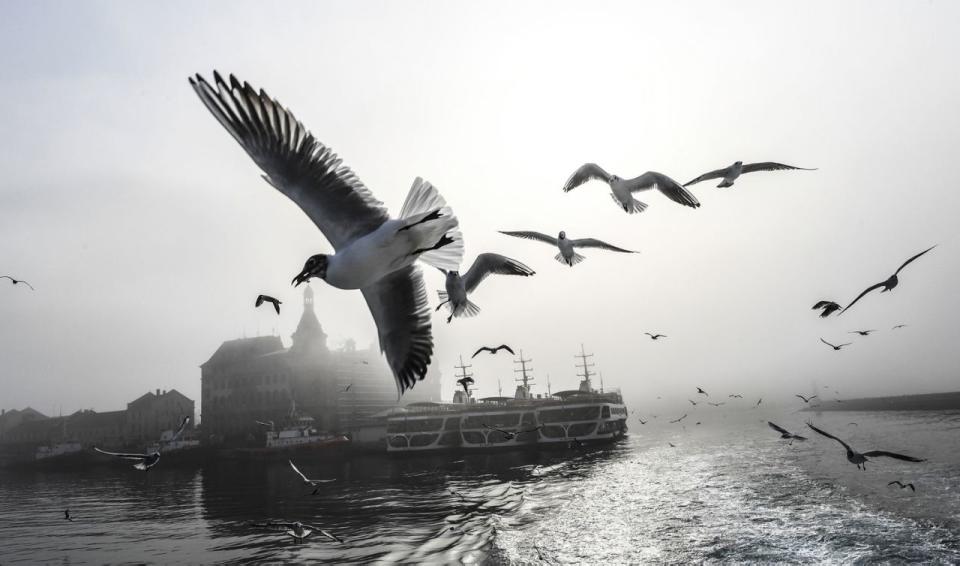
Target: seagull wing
(481,350)
(123,455)
(860,296)
(672,189)
(183,425)
(295,163)
(586,173)
(827,343)
(595,243)
(828,435)
(886,454)
(707,176)
(507,348)
(299,473)
(778,428)
(770,166)
(326,533)
(532,236)
(496,429)
(913,258)
(822,304)
(802,397)
(259,301)
(399,306)
(487,264)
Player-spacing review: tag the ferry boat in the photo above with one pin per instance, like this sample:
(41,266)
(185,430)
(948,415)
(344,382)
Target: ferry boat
(583,415)
(57,450)
(301,433)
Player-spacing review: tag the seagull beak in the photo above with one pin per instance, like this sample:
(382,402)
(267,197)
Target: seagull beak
(301,277)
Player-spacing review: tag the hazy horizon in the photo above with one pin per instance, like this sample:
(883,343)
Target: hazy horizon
(148,232)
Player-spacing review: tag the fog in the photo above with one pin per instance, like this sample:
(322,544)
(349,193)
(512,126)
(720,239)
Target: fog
(148,232)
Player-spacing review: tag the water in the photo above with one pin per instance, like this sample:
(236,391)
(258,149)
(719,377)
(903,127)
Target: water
(729,492)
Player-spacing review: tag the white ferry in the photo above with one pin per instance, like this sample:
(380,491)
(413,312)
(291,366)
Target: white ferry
(57,450)
(300,434)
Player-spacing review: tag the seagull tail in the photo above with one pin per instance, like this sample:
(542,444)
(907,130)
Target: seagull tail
(577,258)
(633,207)
(468,310)
(725,184)
(140,466)
(424,200)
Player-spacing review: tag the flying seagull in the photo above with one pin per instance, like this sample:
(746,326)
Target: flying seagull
(373,252)
(267,423)
(298,530)
(457,287)
(758,402)
(898,326)
(307,481)
(642,421)
(692,402)
(511,435)
(902,485)
(347,388)
(18,281)
(829,307)
(784,433)
(492,350)
(701,391)
(621,190)
(859,459)
(731,173)
(806,399)
(680,419)
(268,299)
(567,254)
(466,382)
(714,404)
(861,332)
(735,396)
(833,346)
(890,283)
(147,460)
(671,445)
(655,336)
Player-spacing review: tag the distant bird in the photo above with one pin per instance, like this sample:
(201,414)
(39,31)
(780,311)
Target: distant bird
(307,481)
(466,382)
(890,283)
(457,287)
(268,299)
(621,190)
(511,435)
(731,173)
(852,424)
(66,515)
(567,246)
(697,423)
(373,253)
(902,485)
(829,307)
(655,336)
(692,402)
(702,392)
(267,423)
(833,346)
(680,419)
(347,388)
(715,404)
(859,459)
(758,402)
(671,445)
(492,350)
(861,332)
(18,281)
(642,421)
(735,396)
(898,326)
(299,531)
(144,461)
(784,433)
(806,399)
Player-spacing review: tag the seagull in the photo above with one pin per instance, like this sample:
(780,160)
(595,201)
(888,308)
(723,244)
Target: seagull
(902,485)
(829,307)
(18,281)
(373,252)
(147,460)
(66,515)
(268,299)
(655,336)
(268,423)
(466,382)
(457,287)
(891,281)
(898,326)
(758,402)
(511,435)
(784,433)
(714,404)
(806,399)
(861,332)
(621,190)
(642,421)
(680,419)
(347,388)
(835,347)
(735,396)
(699,390)
(492,350)
(671,445)
(852,424)
(859,459)
(307,481)
(567,254)
(692,402)
(731,173)
(298,530)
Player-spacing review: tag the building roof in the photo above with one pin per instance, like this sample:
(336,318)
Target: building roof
(233,351)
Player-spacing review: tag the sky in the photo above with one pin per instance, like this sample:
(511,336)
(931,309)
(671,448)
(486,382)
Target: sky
(147,230)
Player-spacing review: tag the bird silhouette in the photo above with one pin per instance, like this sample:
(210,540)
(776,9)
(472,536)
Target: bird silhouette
(829,307)
(898,326)
(621,190)
(466,382)
(702,392)
(735,396)
(18,281)
(714,404)
(692,402)
(66,515)
(861,459)
(567,247)
(758,402)
(511,435)
(347,388)
(307,481)
(861,332)
(268,299)
(492,350)
(835,347)
(149,459)
(890,283)
(299,531)
(655,336)
(680,419)
(784,433)
(806,399)
(902,485)
(642,421)
(457,288)
(731,173)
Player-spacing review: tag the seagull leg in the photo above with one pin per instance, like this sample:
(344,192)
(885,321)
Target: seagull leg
(440,243)
(441,304)
(432,216)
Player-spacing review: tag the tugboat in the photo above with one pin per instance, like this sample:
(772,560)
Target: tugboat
(300,433)
(524,421)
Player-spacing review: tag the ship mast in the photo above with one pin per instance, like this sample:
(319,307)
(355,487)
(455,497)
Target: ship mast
(585,366)
(463,372)
(523,391)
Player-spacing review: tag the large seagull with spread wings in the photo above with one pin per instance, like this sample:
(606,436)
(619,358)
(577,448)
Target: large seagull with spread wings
(566,246)
(621,190)
(373,252)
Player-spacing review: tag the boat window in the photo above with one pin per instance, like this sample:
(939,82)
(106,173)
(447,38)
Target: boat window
(398,442)
(450,439)
(529,419)
(472,437)
(453,423)
(581,429)
(423,439)
(553,431)
(499,420)
(414,425)
(605,413)
(566,415)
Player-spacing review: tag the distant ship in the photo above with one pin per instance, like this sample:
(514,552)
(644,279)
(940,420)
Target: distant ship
(583,415)
(300,432)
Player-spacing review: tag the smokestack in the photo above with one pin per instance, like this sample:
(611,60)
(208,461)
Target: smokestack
(158,392)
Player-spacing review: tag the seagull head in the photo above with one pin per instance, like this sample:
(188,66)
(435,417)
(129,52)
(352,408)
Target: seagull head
(563,235)
(738,163)
(316,266)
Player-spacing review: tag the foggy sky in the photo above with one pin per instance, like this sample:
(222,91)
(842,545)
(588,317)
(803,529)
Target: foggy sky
(148,232)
